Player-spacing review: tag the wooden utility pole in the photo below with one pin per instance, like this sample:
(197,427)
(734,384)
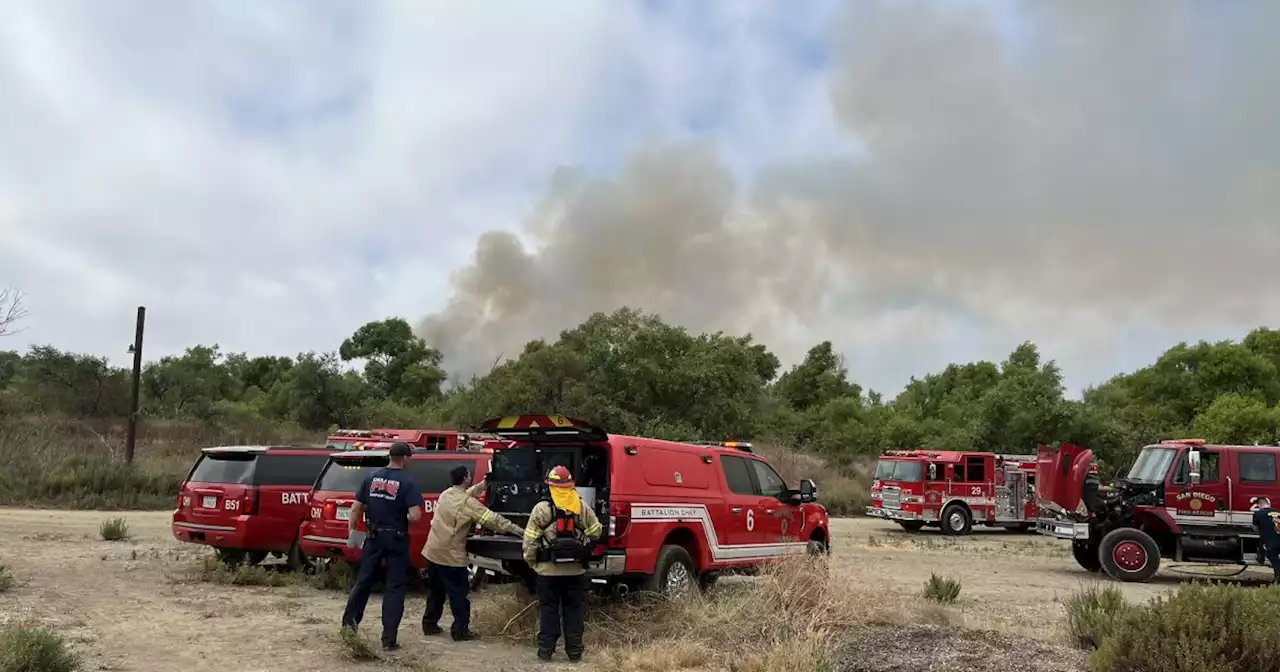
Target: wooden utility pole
(132,438)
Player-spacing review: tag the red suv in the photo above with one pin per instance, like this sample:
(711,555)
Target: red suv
(324,532)
(676,514)
(248,501)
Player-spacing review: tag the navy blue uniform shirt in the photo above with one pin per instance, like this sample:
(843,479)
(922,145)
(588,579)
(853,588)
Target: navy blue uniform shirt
(387,495)
(1267,520)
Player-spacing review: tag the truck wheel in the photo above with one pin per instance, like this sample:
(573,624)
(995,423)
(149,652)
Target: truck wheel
(911,525)
(1086,555)
(1129,555)
(674,573)
(232,557)
(956,520)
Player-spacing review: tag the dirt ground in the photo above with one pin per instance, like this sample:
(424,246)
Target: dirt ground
(133,606)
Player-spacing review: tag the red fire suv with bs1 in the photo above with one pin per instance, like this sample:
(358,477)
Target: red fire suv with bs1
(955,490)
(1182,499)
(324,532)
(675,514)
(248,501)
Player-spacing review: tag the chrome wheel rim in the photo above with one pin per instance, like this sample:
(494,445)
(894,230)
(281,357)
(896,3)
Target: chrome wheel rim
(956,521)
(678,578)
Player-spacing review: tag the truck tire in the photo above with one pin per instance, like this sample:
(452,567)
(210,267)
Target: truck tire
(476,577)
(1086,555)
(1130,555)
(956,521)
(674,572)
(911,525)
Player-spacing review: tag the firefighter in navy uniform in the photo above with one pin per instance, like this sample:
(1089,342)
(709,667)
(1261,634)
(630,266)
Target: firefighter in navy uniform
(388,500)
(1267,520)
(557,543)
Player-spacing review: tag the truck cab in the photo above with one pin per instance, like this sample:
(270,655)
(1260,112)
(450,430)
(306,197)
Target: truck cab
(1182,499)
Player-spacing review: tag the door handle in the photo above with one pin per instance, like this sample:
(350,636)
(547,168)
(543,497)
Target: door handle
(736,509)
(768,510)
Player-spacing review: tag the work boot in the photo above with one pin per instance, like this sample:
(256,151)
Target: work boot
(466,637)
(430,630)
(390,646)
(544,656)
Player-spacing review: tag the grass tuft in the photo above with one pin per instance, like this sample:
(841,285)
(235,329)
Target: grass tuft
(114,529)
(355,646)
(942,590)
(1093,613)
(25,649)
(7,580)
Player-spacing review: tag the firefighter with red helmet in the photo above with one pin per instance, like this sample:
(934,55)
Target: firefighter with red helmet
(557,543)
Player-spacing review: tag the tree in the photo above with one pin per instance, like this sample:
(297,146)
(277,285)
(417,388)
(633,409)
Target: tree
(316,393)
(190,385)
(397,363)
(11,310)
(80,386)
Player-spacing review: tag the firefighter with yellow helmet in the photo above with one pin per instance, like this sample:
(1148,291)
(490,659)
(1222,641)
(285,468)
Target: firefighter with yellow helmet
(557,543)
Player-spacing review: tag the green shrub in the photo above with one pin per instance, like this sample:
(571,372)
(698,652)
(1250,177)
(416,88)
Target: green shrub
(1200,628)
(843,495)
(6,578)
(1093,613)
(941,590)
(214,570)
(25,649)
(355,646)
(114,529)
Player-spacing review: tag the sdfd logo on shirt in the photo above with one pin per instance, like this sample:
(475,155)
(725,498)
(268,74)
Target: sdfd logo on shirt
(384,488)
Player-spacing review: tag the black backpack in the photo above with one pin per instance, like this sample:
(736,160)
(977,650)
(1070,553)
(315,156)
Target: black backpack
(568,548)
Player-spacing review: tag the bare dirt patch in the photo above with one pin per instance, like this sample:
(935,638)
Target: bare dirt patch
(135,605)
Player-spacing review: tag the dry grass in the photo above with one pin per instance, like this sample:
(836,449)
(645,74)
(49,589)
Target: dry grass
(791,617)
(356,646)
(6,578)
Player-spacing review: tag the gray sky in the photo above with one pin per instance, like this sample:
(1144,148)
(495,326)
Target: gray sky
(919,184)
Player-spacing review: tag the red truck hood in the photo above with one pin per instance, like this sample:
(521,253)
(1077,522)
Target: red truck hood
(1060,474)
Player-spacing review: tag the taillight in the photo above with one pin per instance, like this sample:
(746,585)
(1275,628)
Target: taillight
(619,523)
(250,505)
(330,510)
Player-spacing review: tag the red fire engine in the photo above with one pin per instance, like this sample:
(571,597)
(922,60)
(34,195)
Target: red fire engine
(431,439)
(955,490)
(1182,500)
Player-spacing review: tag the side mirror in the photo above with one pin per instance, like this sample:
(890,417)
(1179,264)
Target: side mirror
(808,491)
(1193,458)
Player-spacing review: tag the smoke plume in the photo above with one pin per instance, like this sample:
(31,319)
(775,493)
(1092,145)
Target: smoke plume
(1098,162)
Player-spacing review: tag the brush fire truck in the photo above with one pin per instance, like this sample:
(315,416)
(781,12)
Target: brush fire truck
(1182,500)
(955,490)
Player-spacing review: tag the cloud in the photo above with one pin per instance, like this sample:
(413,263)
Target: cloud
(1109,175)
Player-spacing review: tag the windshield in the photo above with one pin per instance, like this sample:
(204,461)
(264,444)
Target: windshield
(899,470)
(232,469)
(1152,465)
(342,445)
(346,477)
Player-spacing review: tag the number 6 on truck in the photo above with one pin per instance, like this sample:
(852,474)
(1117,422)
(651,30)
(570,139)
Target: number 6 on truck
(751,519)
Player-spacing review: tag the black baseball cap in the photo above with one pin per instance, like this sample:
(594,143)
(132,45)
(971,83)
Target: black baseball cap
(401,449)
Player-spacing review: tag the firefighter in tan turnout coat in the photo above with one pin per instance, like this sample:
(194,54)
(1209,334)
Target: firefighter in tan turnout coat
(557,542)
(457,512)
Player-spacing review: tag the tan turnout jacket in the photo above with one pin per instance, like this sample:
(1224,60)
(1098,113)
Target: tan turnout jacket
(542,524)
(457,512)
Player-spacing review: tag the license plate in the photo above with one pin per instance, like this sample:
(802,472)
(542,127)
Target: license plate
(344,514)
(210,502)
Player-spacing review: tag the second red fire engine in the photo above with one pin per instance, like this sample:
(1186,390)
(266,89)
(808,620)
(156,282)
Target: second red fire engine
(955,490)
